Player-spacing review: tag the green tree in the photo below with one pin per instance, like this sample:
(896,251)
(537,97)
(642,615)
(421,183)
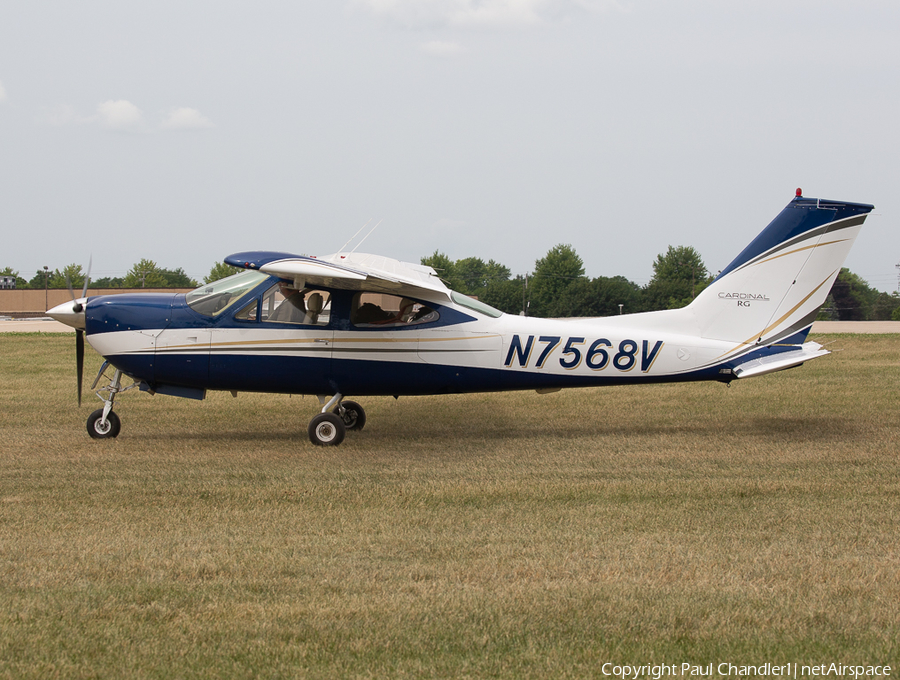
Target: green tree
(600,297)
(553,274)
(505,295)
(70,275)
(177,278)
(475,275)
(108,282)
(854,299)
(678,276)
(445,269)
(611,291)
(885,305)
(220,270)
(145,274)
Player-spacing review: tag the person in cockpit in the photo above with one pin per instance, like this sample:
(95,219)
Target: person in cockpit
(293,308)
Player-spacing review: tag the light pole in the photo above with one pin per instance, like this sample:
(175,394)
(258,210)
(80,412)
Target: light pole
(46,274)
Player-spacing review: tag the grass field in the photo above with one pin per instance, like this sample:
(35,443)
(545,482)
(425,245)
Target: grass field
(513,535)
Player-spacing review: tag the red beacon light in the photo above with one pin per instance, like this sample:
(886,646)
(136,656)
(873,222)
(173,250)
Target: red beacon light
(799,193)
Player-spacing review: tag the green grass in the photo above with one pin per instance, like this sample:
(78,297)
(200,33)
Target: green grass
(513,535)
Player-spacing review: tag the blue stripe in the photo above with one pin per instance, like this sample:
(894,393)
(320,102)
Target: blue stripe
(310,375)
(799,217)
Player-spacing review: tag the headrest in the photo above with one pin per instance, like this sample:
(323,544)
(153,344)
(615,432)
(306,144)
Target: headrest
(314,303)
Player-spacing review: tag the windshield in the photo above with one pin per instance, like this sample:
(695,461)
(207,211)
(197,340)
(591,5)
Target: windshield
(214,298)
(473,304)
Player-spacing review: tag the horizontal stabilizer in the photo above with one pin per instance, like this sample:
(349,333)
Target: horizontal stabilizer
(779,361)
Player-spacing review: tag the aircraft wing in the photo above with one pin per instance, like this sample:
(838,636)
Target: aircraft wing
(351,271)
(780,361)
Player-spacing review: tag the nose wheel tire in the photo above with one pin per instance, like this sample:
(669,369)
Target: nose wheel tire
(327,429)
(354,416)
(100,429)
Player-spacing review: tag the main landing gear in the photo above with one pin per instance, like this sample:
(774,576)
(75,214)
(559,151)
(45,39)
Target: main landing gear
(103,423)
(337,416)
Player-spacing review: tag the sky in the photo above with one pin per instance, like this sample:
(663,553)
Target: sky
(183,132)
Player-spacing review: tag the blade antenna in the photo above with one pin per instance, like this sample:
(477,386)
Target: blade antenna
(354,235)
(366,236)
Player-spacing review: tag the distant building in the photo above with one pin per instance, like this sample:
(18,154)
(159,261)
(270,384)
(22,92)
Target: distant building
(7,282)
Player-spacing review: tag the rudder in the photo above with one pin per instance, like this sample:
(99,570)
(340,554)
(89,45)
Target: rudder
(773,290)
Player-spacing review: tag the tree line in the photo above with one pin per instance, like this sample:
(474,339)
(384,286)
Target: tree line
(558,286)
(144,274)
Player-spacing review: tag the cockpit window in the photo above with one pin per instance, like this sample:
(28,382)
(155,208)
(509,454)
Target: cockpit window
(214,298)
(379,310)
(284,304)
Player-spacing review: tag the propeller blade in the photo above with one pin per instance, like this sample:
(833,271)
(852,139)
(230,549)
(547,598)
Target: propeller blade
(79,359)
(77,306)
(87,277)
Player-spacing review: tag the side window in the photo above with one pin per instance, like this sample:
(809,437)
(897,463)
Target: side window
(379,310)
(283,304)
(249,312)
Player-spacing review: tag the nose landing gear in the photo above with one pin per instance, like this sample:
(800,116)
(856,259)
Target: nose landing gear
(103,423)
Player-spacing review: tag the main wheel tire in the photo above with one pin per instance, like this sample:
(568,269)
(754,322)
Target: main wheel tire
(100,430)
(327,429)
(354,416)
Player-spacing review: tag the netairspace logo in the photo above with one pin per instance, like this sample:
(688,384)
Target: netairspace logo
(726,669)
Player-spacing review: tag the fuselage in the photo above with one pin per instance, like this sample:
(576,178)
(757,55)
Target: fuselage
(164,342)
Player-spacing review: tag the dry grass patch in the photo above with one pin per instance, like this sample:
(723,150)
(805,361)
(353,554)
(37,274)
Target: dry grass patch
(484,535)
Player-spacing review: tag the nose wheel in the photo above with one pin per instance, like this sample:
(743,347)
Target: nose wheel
(104,423)
(103,428)
(329,427)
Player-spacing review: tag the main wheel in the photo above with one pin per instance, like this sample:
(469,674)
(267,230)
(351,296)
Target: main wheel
(100,430)
(327,429)
(354,416)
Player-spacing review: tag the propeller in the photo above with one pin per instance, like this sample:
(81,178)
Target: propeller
(79,359)
(77,307)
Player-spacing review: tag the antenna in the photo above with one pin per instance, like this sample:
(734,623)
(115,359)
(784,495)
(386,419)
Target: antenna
(366,236)
(355,235)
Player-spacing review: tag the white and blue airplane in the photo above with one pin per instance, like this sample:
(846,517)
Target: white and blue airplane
(357,325)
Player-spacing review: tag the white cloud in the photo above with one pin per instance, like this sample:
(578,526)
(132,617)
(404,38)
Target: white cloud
(441,48)
(478,13)
(185,118)
(120,115)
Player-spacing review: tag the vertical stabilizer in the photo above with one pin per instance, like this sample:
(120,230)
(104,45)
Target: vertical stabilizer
(773,290)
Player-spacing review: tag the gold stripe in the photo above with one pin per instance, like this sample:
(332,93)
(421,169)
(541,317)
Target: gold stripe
(792,252)
(757,336)
(296,341)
